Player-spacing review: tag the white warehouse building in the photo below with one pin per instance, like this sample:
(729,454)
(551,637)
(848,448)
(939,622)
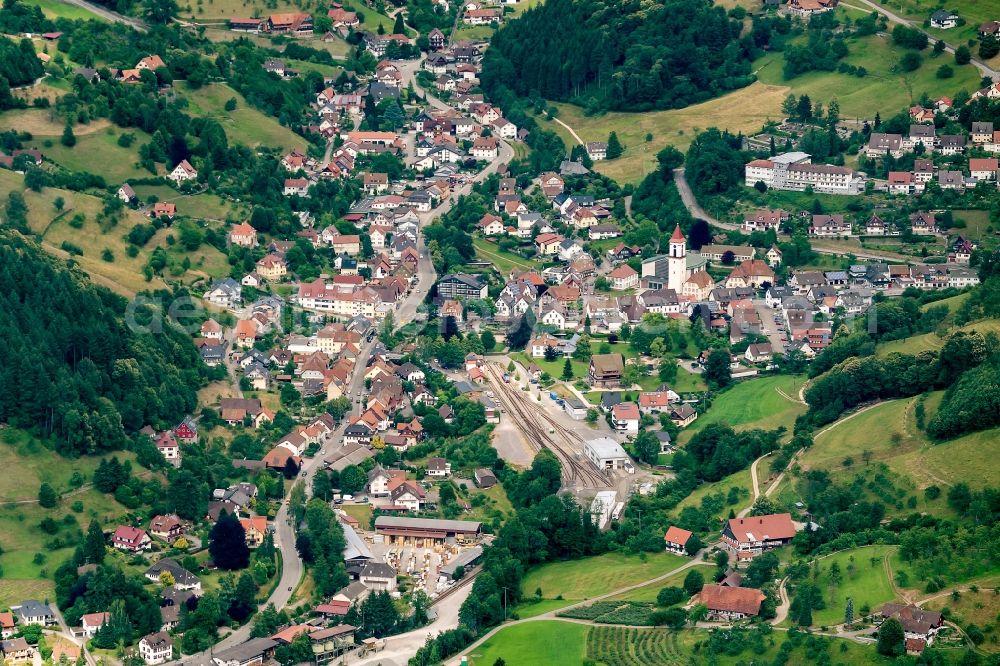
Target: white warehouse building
(606,453)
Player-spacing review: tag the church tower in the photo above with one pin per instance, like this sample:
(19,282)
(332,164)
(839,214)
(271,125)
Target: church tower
(677,261)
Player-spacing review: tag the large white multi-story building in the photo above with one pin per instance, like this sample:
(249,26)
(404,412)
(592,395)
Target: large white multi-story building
(795,171)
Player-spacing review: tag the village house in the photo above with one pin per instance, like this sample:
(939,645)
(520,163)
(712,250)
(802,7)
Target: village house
(182,173)
(272,267)
(918,623)
(606,369)
(625,417)
(16,651)
(131,539)
(183,579)
(168,528)
(156,648)
(243,234)
(675,540)
(623,277)
(33,612)
(829,225)
(91,623)
(255,528)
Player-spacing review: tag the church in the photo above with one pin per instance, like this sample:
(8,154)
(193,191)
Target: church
(679,270)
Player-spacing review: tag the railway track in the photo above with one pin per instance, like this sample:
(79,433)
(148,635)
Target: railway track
(544,432)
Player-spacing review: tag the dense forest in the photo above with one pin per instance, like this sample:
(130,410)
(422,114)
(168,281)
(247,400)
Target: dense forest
(74,369)
(18,63)
(628,56)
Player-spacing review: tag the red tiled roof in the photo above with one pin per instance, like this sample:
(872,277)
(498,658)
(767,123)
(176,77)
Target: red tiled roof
(745,600)
(676,535)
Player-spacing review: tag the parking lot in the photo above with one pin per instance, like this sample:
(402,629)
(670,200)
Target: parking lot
(772,329)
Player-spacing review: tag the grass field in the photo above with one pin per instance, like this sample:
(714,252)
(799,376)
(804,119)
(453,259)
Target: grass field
(45,123)
(198,206)
(873,430)
(474,33)
(860,580)
(360,512)
(978,227)
(55,9)
(910,455)
(754,404)
(648,592)
(580,367)
(740,480)
(26,560)
(99,153)
(505,262)
(931,341)
(978,608)
(953,303)
(956,460)
(687,382)
(975,12)
(746,110)
(123,275)
(585,578)
(246,124)
(548,642)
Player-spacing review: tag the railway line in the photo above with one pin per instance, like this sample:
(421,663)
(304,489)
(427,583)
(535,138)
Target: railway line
(544,432)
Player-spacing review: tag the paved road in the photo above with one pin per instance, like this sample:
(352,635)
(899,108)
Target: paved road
(109,15)
(398,649)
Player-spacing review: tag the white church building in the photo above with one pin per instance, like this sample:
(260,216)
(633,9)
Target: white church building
(679,270)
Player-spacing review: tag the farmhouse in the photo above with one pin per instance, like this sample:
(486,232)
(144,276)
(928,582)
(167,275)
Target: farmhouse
(731,603)
(918,624)
(747,537)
